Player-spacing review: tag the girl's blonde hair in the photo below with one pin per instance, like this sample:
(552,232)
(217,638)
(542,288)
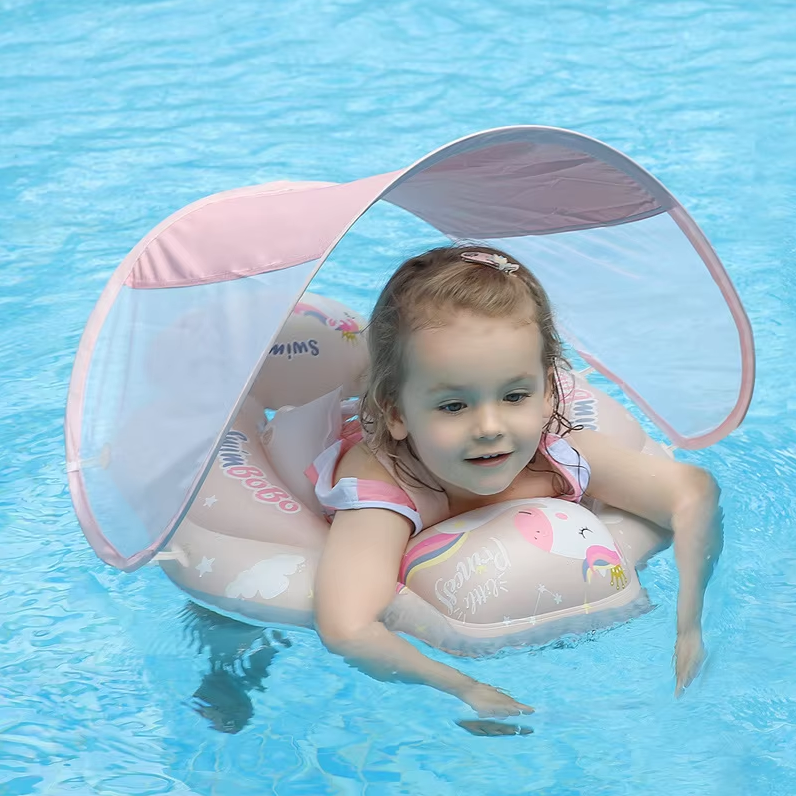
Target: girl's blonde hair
(420,294)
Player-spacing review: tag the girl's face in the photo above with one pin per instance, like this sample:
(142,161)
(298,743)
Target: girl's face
(475,401)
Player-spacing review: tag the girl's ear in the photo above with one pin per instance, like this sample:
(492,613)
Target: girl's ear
(396,424)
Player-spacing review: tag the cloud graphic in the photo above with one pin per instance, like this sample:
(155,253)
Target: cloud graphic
(268,577)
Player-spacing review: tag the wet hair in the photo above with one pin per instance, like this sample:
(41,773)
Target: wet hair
(419,295)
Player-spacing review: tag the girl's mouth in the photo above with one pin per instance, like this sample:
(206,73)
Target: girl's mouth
(490,460)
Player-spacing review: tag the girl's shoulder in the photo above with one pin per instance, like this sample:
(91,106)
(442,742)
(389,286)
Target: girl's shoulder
(360,462)
(374,479)
(356,479)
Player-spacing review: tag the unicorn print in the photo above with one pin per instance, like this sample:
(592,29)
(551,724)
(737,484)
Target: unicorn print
(347,326)
(566,529)
(555,526)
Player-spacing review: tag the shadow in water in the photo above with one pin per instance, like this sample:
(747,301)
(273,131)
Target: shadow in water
(239,656)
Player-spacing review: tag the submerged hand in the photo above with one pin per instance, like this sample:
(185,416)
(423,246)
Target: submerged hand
(490,702)
(689,654)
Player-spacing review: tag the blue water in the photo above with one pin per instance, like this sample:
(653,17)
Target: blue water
(112,116)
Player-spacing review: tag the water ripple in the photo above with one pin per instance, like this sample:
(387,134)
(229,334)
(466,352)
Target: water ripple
(113,115)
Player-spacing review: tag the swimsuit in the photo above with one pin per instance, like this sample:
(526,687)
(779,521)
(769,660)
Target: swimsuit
(422,506)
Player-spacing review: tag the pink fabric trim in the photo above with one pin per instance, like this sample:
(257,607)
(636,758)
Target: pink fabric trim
(383,492)
(746,338)
(312,473)
(353,493)
(351,503)
(222,237)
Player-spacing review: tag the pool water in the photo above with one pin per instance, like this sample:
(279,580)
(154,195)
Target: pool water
(112,116)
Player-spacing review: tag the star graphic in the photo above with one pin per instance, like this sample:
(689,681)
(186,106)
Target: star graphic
(205,566)
(533,620)
(541,588)
(557,598)
(209,501)
(480,569)
(506,620)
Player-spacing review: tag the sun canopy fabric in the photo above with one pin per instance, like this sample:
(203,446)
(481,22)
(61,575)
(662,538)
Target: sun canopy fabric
(185,322)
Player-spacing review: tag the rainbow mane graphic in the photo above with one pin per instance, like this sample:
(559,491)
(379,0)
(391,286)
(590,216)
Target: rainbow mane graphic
(348,327)
(601,559)
(431,551)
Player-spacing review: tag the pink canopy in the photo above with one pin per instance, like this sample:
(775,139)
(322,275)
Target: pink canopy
(185,322)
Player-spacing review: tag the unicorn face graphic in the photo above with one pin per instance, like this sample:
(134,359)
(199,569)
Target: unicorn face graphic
(566,529)
(555,526)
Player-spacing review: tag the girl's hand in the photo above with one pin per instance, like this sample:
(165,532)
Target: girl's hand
(490,702)
(673,495)
(689,654)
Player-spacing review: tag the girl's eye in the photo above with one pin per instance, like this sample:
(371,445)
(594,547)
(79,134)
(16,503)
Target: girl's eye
(516,397)
(452,408)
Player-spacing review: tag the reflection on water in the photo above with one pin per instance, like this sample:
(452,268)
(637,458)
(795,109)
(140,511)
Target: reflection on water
(238,656)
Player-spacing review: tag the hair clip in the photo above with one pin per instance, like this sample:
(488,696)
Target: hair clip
(496,261)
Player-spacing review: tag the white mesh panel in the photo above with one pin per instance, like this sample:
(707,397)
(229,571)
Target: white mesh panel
(168,367)
(637,298)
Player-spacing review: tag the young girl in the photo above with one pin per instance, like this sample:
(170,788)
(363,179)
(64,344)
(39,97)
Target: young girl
(462,409)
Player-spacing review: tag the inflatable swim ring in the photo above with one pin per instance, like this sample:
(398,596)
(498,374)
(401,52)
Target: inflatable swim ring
(182,354)
(512,573)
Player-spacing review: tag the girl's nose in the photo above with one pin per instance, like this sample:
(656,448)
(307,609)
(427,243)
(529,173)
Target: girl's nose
(488,423)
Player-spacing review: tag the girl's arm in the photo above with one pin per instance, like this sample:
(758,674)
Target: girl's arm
(355,583)
(676,496)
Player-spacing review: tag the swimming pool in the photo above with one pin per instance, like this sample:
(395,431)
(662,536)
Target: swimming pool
(112,116)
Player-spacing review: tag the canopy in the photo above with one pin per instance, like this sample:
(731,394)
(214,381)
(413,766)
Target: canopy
(186,321)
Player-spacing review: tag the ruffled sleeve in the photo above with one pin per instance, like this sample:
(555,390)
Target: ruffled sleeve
(569,463)
(356,493)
